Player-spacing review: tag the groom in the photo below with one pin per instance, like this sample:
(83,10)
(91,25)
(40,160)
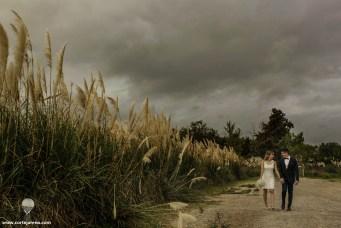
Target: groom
(288,170)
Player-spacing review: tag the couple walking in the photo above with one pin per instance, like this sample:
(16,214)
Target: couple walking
(286,171)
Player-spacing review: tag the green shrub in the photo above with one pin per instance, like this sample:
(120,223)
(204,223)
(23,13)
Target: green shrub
(331,169)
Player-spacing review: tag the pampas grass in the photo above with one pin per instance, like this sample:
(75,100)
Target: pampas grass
(48,50)
(81,97)
(178,205)
(59,72)
(20,49)
(196,179)
(3,53)
(147,156)
(184,218)
(79,158)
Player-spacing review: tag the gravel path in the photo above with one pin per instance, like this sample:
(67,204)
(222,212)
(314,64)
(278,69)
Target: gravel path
(317,204)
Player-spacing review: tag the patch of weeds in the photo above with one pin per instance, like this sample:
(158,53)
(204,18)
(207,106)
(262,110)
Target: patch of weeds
(219,222)
(248,185)
(236,190)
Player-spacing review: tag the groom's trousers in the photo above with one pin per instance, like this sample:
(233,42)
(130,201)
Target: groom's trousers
(287,187)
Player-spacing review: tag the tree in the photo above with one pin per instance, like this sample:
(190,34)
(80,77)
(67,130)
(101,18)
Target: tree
(295,143)
(273,131)
(247,147)
(232,138)
(231,130)
(330,151)
(199,131)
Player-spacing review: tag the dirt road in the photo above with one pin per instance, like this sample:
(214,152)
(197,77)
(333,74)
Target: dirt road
(317,204)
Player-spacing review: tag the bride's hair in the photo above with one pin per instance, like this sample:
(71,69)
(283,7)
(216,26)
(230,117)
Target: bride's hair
(267,154)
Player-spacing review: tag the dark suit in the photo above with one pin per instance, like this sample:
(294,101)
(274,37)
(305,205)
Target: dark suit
(290,175)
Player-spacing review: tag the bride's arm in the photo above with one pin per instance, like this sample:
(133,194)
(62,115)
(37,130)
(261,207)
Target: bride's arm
(276,171)
(261,169)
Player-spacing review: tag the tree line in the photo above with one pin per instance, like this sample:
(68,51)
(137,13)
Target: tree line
(274,134)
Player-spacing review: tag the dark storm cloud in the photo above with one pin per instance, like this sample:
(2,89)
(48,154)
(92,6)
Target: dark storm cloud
(197,59)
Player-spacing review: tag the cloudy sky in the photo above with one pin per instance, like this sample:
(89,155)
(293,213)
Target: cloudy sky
(214,60)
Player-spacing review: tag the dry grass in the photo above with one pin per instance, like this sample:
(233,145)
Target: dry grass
(78,159)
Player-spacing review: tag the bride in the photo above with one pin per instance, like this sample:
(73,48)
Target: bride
(268,171)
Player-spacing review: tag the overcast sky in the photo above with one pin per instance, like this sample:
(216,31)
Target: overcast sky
(204,59)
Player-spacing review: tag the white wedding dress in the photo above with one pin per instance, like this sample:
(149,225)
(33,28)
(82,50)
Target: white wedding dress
(268,175)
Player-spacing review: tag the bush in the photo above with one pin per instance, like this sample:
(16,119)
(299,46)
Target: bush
(331,169)
(250,172)
(327,172)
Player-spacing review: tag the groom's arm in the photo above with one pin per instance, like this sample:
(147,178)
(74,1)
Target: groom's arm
(297,174)
(280,170)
